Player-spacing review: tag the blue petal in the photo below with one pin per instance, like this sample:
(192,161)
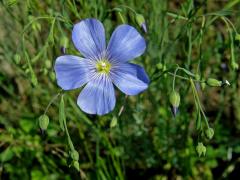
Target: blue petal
(89,38)
(125,44)
(98,96)
(129,78)
(72,71)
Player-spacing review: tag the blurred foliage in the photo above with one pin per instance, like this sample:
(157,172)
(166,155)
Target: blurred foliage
(146,141)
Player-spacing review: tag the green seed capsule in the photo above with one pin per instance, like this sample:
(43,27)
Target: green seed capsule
(209,133)
(201,149)
(214,82)
(43,121)
(74,155)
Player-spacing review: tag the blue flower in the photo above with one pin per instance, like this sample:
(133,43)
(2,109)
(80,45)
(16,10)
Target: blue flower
(102,66)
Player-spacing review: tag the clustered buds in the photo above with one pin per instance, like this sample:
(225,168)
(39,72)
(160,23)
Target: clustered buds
(201,149)
(175,101)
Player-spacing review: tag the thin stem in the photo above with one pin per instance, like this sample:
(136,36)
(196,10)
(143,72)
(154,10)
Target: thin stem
(127,7)
(198,101)
(174,77)
(50,103)
(68,136)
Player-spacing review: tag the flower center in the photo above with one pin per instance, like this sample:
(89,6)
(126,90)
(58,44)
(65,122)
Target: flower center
(103,66)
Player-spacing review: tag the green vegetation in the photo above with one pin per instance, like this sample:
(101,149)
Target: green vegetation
(192,59)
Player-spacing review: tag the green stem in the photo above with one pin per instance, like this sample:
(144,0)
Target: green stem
(198,101)
(68,136)
(50,103)
(127,7)
(174,78)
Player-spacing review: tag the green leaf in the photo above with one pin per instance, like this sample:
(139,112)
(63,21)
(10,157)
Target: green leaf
(62,116)
(6,155)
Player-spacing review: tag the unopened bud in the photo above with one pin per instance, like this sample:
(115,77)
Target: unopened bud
(203,85)
(76,165)
(34,80)
(237,37)
(48,64)
(74,155)
(209,133)
(64,44)
(141,22)
(113,122)
(17,58)
(43,121)
(175,101)
(234,65)
(214,82)
(201,149)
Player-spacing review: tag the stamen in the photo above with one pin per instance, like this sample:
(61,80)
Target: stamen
(103,66)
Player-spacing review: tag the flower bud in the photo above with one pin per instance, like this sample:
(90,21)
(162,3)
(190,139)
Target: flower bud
(209,133)
(113,122)
(237,37)
(201,149)
(203,85)
(76,165)
(17,58)
(141,22)
(64,44)
(43,121)
(48,64)
(234,65)
(34,80)
(74,155)
(175,101)
(214,82)
(52,76)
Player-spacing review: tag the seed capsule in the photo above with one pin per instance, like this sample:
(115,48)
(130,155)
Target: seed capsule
(201,149)
(43,122)
(209,133)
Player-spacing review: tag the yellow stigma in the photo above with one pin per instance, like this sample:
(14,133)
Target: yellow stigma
(103,66)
